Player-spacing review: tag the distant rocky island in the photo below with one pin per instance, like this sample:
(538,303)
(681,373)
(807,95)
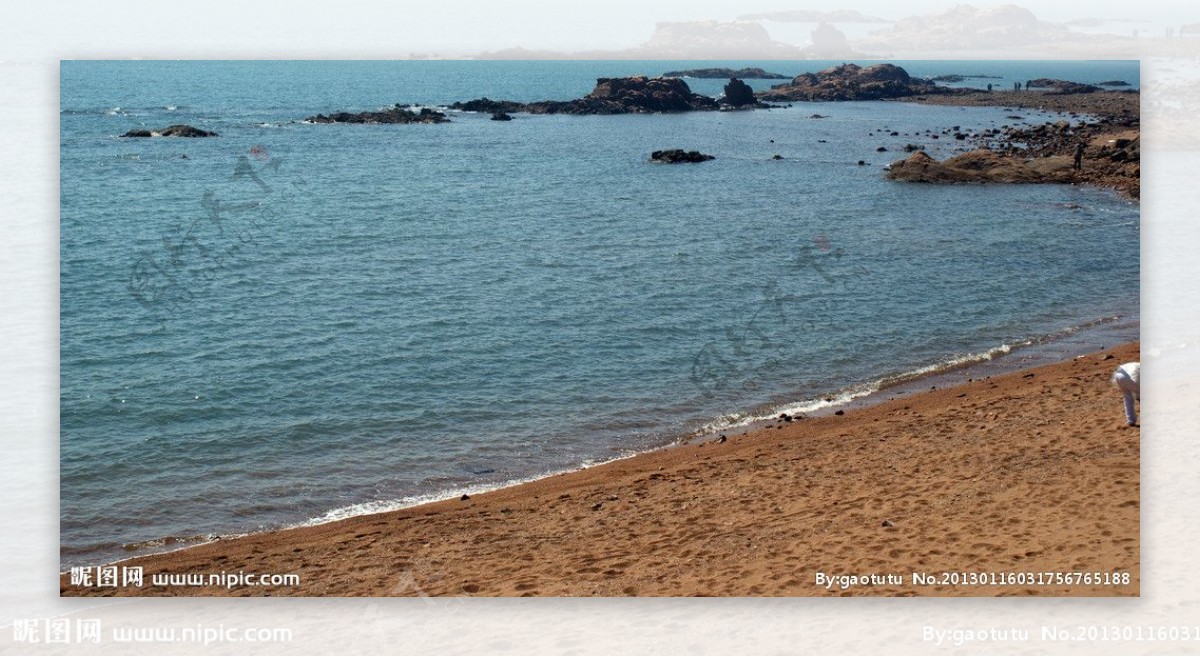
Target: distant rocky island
(853,82)
(632,95)
(720,73)
(1062,86)
(961,78)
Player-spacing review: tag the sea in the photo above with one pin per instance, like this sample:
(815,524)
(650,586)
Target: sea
(292,323)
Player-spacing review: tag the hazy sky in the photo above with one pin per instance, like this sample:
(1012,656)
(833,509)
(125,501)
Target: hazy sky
(374,28)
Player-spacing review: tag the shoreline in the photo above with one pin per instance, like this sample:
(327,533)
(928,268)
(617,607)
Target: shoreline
(1110,158)
(1037,350)
(317,552)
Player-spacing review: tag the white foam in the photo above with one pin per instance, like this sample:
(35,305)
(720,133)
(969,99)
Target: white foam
(847,395)
(385,506)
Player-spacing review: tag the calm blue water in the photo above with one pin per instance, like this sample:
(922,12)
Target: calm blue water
(296,321)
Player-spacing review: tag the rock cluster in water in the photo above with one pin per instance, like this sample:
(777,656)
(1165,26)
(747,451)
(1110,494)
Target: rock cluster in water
(172,131)
(678,155)
(1063,86)
(853,82)
(395,114)
(633,95)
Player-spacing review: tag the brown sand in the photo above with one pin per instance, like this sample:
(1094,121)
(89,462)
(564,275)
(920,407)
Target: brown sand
(1027,472)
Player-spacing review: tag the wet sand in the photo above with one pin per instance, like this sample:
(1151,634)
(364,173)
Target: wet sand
(1028,472)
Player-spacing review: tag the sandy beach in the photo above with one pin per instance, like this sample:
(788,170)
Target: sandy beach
(1028,472)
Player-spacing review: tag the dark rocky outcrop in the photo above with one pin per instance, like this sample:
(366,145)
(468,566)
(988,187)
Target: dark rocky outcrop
(501,116)
(1113,83)
(718,73)
(853,82)
(961,78)
(634,95)
(486,105)
(739,94)
(395,114)
(1062,86)
(172,131)
(678,155)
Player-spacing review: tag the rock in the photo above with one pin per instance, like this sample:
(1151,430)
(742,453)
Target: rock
(391,115)
(886,523)
(974,166)
(1113,83)
(677,155)
(464,498)
(1063,86)
(839,412)
(862,163)
(486,105)
(910,148)
(739,94)
(723,438)
(718,73)
(853,82)
(597,506)
(881,149)
(777,156)
(172,131)
(501,116)
(635,95)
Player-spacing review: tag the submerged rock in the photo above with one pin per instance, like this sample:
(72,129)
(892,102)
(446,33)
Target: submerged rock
(501,116)
(180,130)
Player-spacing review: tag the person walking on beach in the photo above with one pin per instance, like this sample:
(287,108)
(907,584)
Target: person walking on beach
(1079,156)
(1127,379)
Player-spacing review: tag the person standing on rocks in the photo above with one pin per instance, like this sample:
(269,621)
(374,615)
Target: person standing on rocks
(1079,156)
